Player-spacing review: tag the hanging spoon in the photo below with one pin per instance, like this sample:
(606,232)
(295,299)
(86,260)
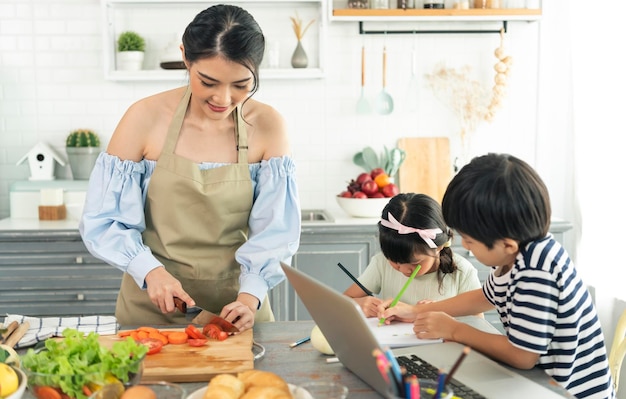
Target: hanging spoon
(384,102)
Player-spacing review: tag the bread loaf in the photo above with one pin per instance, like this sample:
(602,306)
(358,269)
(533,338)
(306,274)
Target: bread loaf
(266,393)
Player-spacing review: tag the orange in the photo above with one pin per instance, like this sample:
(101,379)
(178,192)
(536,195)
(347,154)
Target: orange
(382,180)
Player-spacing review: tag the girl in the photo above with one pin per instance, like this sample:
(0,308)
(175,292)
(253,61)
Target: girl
(412,232)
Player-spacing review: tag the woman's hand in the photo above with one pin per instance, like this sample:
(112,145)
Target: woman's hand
(163,287)
(401,311)
(241,312)
(369,305)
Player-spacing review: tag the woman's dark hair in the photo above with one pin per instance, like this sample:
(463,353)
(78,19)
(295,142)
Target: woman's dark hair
(498,196)
(228,31)
(422,212)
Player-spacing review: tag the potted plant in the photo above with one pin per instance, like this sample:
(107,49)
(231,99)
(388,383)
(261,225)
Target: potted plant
(130,51)
(82,147)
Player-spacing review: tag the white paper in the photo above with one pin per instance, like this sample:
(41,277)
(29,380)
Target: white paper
(397,334)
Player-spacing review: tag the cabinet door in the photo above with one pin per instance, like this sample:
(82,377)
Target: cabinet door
(318,256)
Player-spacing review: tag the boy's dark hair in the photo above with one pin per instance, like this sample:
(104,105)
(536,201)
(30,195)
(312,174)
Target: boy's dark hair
(498,196)
(422,212)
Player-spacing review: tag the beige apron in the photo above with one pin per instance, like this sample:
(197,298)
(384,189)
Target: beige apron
(195,221)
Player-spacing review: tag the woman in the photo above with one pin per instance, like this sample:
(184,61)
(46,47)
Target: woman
(195,196)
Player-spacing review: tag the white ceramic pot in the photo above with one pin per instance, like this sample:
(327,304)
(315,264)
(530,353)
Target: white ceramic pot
(129,60)
(82,160)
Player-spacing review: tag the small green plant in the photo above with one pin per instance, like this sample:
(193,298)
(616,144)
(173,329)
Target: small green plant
(82,138)
(130,41)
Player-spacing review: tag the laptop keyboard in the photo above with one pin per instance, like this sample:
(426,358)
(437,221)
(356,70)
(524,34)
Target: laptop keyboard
(414,365)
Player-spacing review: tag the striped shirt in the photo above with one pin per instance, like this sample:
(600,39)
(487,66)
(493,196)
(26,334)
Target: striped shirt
(545,308)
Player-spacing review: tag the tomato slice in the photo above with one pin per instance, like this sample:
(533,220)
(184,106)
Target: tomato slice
(215,332)
(154,345)
(197,342)
(194,332)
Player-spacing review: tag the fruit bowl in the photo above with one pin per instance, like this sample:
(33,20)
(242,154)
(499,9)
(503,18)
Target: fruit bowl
(22,382)
(363,207)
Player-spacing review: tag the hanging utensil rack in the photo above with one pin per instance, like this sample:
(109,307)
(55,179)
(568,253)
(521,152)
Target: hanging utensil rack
(363,31)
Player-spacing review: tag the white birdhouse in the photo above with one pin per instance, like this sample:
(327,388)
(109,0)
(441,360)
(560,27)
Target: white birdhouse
(41,161)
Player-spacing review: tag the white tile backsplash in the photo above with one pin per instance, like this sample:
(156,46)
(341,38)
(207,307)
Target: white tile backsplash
(52,81)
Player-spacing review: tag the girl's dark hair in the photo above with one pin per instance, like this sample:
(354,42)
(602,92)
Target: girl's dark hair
(228,31)
(422,212)
(498,196)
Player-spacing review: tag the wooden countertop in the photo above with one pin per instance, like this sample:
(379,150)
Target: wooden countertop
(304,363)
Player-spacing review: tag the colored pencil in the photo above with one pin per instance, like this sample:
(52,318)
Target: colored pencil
(456,365)
(395,301)
(440,384)
(414,392)
(299,342)
(361,286)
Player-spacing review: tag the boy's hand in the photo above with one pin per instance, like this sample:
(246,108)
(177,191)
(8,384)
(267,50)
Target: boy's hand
(369,305)
(400,312)
(434,325)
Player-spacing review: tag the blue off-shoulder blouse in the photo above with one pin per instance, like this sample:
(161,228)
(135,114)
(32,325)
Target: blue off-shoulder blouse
(113,220)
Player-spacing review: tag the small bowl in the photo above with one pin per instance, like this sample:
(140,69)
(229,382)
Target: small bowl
(23,381)
(323,389)
(363,207)
(38,380)
(162,390)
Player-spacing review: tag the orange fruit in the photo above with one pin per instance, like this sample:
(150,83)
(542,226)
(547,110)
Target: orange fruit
(382,180)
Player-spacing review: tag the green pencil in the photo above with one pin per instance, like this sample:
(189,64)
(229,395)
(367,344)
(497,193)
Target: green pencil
(397,298)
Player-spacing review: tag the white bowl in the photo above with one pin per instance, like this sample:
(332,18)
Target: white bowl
(22,387)
(363,207)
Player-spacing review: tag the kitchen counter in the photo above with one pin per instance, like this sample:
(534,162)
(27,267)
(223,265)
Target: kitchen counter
(304,363)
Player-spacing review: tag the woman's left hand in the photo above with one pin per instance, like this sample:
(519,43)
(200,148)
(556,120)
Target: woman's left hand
(240,312)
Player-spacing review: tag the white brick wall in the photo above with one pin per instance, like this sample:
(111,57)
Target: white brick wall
(52,81)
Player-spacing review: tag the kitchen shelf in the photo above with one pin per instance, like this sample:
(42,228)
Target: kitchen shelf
(444,15)
(161,22)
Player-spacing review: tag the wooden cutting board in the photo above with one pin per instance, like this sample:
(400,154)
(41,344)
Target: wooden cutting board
(427,168)
(184,363)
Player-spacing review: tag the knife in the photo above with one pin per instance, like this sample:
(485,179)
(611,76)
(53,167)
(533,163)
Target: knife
(197,315)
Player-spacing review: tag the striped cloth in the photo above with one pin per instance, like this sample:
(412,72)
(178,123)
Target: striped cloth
(43,328)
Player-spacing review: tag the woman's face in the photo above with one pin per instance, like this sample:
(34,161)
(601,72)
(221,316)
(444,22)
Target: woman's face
(429,263)
(219,85)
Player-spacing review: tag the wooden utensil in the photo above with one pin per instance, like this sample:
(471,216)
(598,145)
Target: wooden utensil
(384,102)
(8,330)
(17,334)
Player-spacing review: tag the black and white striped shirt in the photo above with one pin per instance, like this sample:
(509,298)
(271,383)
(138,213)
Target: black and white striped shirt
(546,309)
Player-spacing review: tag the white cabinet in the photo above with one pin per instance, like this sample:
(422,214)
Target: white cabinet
(162,23)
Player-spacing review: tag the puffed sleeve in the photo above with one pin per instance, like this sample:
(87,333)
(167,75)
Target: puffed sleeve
(113,218)
(274,227)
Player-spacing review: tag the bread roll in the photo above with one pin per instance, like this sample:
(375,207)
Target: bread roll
(260,378)
(224,386)
(256,392)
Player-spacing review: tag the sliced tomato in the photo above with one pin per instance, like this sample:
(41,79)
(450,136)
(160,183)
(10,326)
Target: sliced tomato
(215,332)
(197,341)
(194,332)
(154,345)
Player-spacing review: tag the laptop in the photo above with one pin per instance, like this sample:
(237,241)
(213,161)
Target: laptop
(345,327)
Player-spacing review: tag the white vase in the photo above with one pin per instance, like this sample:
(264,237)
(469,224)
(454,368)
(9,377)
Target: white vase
(129,60)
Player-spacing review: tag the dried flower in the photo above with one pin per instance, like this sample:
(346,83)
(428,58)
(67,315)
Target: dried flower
(296,22)
(469,99)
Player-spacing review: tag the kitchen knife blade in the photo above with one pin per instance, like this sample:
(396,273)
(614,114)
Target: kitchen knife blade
(200,316)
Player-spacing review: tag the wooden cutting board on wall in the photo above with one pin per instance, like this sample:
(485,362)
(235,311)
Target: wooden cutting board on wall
(427,168)
(185,363)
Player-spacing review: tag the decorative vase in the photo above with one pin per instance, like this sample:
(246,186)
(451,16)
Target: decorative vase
(299,58)
(82,160)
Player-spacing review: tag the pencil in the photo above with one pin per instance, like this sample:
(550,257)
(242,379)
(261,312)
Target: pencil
(456,364)
(440,385)
(395,301)
(299,342)
(361,286)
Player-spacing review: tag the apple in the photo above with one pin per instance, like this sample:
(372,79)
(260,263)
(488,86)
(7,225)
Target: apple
(369,187)
(375,172)
(346,194)
(390,190)
(377,195)
(363,177)
(359,194)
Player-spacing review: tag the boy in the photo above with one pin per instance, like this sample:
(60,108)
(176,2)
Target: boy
(501,209)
